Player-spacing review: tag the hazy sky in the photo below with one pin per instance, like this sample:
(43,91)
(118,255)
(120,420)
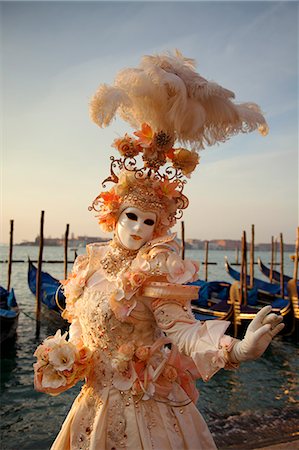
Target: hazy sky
(54,56)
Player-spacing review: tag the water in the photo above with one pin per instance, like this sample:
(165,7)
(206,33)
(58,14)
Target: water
(256,404)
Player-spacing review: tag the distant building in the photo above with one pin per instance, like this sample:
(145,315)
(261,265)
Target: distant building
(49,241)
(195,244)
(225,244)
(85,240)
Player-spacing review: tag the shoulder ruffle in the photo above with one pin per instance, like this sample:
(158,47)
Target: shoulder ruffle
(84,266)
(158,260)
(162,259)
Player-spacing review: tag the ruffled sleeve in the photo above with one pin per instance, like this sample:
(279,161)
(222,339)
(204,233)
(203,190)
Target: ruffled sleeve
(206,343)
(73,286)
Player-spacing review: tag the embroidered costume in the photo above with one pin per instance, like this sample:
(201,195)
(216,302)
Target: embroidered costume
(133,337)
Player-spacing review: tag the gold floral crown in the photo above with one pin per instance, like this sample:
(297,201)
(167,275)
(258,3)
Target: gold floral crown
(156,185)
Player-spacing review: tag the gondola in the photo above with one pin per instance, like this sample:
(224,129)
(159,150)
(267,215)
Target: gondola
(261,294)
(49,286)
(245,311)
(248,296)
(262,286)
(9,314)
(275,274)
(293,291)
(213,301)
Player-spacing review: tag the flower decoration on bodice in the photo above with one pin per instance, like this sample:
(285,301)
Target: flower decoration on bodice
(150,371)
(154,262)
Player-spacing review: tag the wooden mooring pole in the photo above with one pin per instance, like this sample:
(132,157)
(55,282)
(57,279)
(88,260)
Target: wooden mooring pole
(252,257)
(183,239)
(245,269)
(206,259)
(242,271)
(281,266)
(295,276)
(38,275)
(10,255)
(66,237)
(243,279)
(272,259)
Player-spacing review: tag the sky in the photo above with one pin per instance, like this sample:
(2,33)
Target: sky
(53,158)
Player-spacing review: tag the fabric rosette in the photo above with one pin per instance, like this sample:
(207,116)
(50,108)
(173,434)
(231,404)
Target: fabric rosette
(121,303)
(159,261)
(171,265)
(181,271)
(127,146)
(135,368)
(60,364)
(185,160)
(152,370)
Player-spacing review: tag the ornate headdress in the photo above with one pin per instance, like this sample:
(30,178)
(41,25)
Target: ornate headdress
(171,103)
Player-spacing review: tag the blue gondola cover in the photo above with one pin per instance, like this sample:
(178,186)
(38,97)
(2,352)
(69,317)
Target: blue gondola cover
(49,286)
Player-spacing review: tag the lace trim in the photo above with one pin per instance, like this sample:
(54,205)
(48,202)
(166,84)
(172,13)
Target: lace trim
(117,258)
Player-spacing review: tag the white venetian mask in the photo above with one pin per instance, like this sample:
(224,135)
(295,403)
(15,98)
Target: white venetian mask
(135,227)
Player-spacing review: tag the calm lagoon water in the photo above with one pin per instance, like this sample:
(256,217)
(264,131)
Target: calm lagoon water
(256,404)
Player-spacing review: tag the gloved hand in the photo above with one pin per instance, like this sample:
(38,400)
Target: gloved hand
(258,336)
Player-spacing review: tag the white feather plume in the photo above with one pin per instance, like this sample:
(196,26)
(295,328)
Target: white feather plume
(167,93)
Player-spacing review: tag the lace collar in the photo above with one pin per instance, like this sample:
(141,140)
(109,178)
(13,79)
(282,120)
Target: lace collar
(118,258)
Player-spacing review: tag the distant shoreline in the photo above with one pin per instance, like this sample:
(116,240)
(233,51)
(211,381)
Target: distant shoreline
(288,248)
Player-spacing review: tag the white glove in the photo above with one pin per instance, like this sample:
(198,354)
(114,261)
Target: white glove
(258,336)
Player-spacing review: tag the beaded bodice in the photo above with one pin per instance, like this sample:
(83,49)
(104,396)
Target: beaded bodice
(102,330)
(104,334)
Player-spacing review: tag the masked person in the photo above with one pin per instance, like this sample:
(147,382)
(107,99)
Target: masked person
(133,337)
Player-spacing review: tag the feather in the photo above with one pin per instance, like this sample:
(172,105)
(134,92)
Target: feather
(166,92)
(105,102)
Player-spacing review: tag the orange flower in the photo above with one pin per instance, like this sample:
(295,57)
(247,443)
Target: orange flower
(263,129)
(109,208)
(170,153)
(145,135)
(108,222)
(126,146)
(110,199)
(185,160)
(127,350)
(143,353)
(168,188)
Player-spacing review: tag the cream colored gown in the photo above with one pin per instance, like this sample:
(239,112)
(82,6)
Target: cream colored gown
(139,392)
